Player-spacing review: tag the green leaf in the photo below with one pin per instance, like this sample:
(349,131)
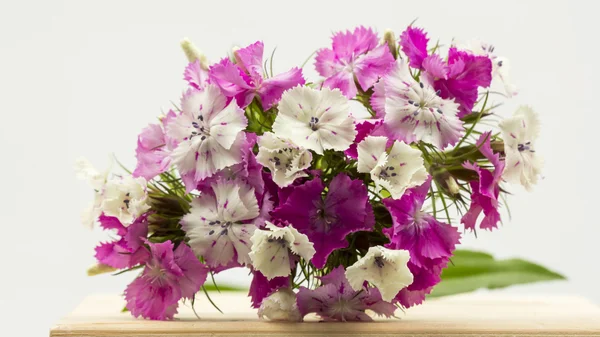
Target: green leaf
(471,270)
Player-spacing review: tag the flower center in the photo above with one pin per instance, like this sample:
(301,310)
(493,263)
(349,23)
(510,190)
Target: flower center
(220,226)
(126,201)
(283,159)
(321,219)
(525,147)
(199,129)
(313,123)
(156,274)
(387,172)
(379,262)
(425,99)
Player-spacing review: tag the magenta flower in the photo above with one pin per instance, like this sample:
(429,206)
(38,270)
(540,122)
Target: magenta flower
(426,238)
(244,80)
(419,232)
(413,42)
(336,300)
(168,277)
(459,78)
(465,73)
(327,220)
(353,55)
(485,191)
(429,242)
(261,287)
(424,279)
(153,150)
(362,131)
(128,250)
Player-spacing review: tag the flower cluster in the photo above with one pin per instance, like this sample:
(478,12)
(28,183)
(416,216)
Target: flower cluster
(334,209)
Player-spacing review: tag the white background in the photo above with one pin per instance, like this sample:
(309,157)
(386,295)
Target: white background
(82,78)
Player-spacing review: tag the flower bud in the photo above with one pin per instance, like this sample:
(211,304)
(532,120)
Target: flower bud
(100,269)
(192,53)
(236,58)
(452,185)
(390,40)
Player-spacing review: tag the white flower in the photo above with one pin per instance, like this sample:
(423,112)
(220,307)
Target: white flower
(122,197)
(285,160)
(315,119)
(96,179)
(386,269)
(270,252)
(397,171)
(520,133)
(500,65)
(125,198)
(280,306)
(415,112)
(209,133)
(215,224)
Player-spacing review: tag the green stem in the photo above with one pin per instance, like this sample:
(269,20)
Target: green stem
(210,299)
(475,122)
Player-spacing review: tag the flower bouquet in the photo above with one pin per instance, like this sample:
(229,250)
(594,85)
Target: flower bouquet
(338,195)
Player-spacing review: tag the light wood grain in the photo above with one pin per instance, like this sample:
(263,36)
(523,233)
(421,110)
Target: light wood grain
(465,315)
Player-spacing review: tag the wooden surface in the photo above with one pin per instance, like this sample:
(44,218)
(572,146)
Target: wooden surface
(464,315)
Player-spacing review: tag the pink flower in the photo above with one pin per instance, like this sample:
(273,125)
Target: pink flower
(168,277)
(196,75)
(485,191)
(464,74)
(128,250)
(152,150)
(413,42)
(336,300)
(261,287)
(327,220)
(353,55)
(424,279)
(244,80)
